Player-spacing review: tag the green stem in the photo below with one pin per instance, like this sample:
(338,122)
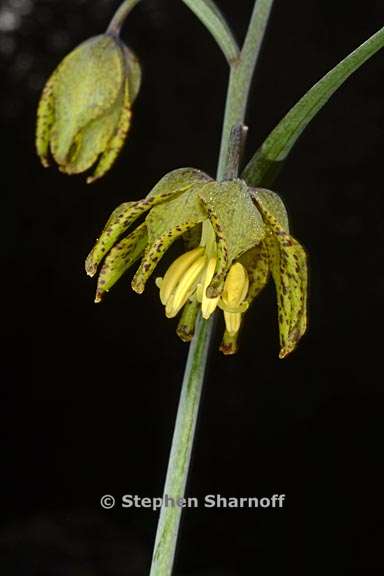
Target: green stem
(119,17)
(211,17)
(179,459)
(241,76)
(182,442)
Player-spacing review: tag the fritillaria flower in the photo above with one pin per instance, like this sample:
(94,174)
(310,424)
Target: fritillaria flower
(236,235)
(85,109)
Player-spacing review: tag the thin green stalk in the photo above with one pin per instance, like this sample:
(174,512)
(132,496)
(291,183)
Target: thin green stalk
(120,15)
(179,459)
(182,442)
(212,18)
(241,76)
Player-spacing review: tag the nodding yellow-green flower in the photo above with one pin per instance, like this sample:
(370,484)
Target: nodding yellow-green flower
(191,274)
(85,109)
(236,236)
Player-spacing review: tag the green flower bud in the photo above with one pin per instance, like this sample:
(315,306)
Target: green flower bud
(85,109)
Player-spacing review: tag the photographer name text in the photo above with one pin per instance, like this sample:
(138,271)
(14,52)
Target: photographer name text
(208,501)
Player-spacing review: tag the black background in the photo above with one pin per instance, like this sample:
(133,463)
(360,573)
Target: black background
(89,393)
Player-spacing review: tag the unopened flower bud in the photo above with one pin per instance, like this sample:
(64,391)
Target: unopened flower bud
(85,108)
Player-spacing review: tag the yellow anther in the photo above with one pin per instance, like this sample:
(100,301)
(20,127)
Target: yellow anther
(185,287)
(208,305)
(235,287)
(232,300)
(175,272)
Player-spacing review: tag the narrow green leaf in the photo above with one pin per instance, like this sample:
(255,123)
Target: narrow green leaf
(214,21)
(266,162)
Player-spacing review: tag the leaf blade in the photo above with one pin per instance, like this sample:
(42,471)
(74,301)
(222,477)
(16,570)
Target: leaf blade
(263,166)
